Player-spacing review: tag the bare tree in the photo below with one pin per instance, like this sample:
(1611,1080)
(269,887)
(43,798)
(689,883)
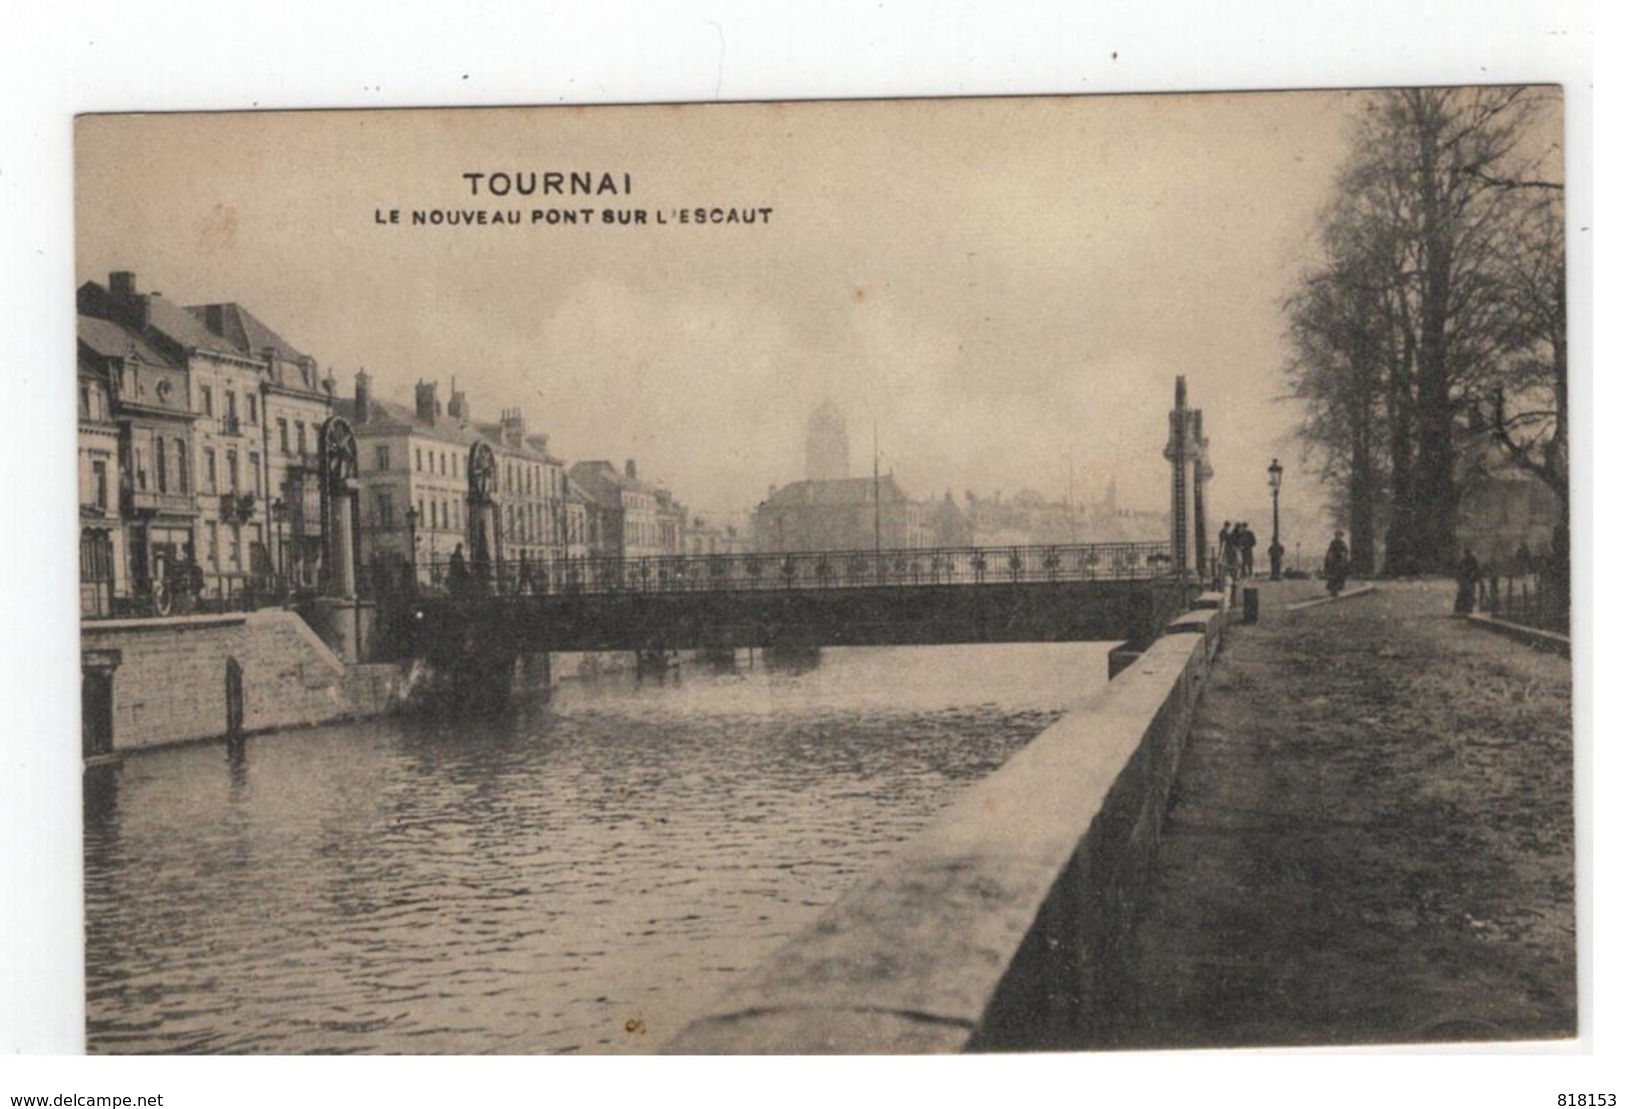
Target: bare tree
(1404,328)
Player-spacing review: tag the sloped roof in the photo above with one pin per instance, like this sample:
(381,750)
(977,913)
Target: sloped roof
(836,493)
(111,340)
(181,327)
(385,417)
(244,330)
(603,471)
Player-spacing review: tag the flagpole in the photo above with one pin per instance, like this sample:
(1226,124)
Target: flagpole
(877,488)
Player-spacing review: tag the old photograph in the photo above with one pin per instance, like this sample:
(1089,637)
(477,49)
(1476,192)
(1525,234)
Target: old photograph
(987,574)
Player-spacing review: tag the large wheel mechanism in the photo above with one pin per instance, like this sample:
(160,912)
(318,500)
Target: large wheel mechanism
(482,471)
(339,453)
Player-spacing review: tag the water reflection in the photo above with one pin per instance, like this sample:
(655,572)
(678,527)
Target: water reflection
(538,881)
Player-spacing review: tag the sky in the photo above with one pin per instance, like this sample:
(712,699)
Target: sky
(1001,290)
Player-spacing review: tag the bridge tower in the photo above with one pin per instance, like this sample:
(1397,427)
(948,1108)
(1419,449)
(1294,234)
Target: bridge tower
(337,446)
(1187,454)
(1201,471)
(1178,453)
(484,536)
(340,615)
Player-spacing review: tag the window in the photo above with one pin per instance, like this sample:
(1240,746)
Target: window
(231,406)
(163,469)
(380,456)
(207,393)
(299,434)
(183,472)
(98,478)
(420,509)
(254,465)
(442,462)
(234,547)
(211,544)
(434,514)
(386,511)
(282,433)
(253,403)
(209,478)
(417,462)
(231,469)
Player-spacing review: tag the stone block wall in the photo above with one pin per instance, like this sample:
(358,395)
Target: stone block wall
(170,684)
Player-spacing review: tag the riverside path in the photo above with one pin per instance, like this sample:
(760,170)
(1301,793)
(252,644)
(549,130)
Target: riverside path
(1371,840)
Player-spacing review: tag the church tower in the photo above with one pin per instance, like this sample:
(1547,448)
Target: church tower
(828,453)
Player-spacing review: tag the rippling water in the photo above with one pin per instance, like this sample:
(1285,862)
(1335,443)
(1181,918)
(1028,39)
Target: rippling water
(580,875)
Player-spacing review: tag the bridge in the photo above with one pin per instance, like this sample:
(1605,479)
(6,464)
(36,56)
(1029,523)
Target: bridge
(474,618)
(483,617)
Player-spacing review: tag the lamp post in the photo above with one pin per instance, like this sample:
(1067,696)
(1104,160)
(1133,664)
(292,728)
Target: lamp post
(279,516)
(412,546)
(1276,550)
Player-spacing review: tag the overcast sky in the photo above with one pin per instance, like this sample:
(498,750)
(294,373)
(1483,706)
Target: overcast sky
(1007,288)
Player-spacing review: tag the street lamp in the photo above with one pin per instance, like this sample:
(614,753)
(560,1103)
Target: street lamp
(1276,550)
(279,516)
(412,545)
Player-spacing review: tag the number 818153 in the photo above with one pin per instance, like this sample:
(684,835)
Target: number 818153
(1586,1101)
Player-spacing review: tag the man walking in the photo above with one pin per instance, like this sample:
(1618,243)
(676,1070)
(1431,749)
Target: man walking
(1248,542)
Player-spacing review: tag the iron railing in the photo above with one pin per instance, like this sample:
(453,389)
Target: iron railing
(843,569)
(1533,600)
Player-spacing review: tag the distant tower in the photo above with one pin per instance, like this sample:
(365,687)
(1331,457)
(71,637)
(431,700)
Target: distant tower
(828,453)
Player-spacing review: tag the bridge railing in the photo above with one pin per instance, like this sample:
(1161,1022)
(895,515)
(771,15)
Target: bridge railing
(842,569)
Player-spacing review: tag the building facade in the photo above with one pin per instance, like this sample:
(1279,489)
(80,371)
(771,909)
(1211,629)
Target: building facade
(293,404)
(413,480)
(530,488)
(842,515)
(636,519)
(157,501)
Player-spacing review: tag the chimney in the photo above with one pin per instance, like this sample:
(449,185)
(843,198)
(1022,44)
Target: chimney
(428,404)
(458,408)
(363,395)
(513,428)
(631,469)
(126,306)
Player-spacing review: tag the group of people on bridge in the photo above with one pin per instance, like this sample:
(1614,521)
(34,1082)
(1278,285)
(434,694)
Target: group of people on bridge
(1236,543)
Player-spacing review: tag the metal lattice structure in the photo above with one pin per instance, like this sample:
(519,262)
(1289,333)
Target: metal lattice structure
(836,569)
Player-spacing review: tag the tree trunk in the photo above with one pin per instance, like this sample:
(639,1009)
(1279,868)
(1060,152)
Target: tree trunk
(1435,486)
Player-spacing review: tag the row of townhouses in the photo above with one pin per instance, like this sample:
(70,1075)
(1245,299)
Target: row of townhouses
(199,470)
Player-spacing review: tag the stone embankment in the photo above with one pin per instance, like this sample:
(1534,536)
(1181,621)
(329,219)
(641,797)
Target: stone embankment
(992,928)
(169,677)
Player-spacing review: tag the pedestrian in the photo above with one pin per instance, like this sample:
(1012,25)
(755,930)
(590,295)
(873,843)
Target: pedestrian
(1336,567)
(1467,577)
(1523,563)
(1224,556)
(1248,542)
(525,584)
(458,570)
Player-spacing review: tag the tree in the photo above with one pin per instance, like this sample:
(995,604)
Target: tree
(1403,327)
(1529,406)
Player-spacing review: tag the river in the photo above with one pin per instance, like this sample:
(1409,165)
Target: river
(579,874)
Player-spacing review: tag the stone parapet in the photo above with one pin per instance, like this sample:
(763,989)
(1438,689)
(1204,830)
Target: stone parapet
(995,926)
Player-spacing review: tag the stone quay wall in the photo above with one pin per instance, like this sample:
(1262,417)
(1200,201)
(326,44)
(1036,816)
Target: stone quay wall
(170,682)
(995,928)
